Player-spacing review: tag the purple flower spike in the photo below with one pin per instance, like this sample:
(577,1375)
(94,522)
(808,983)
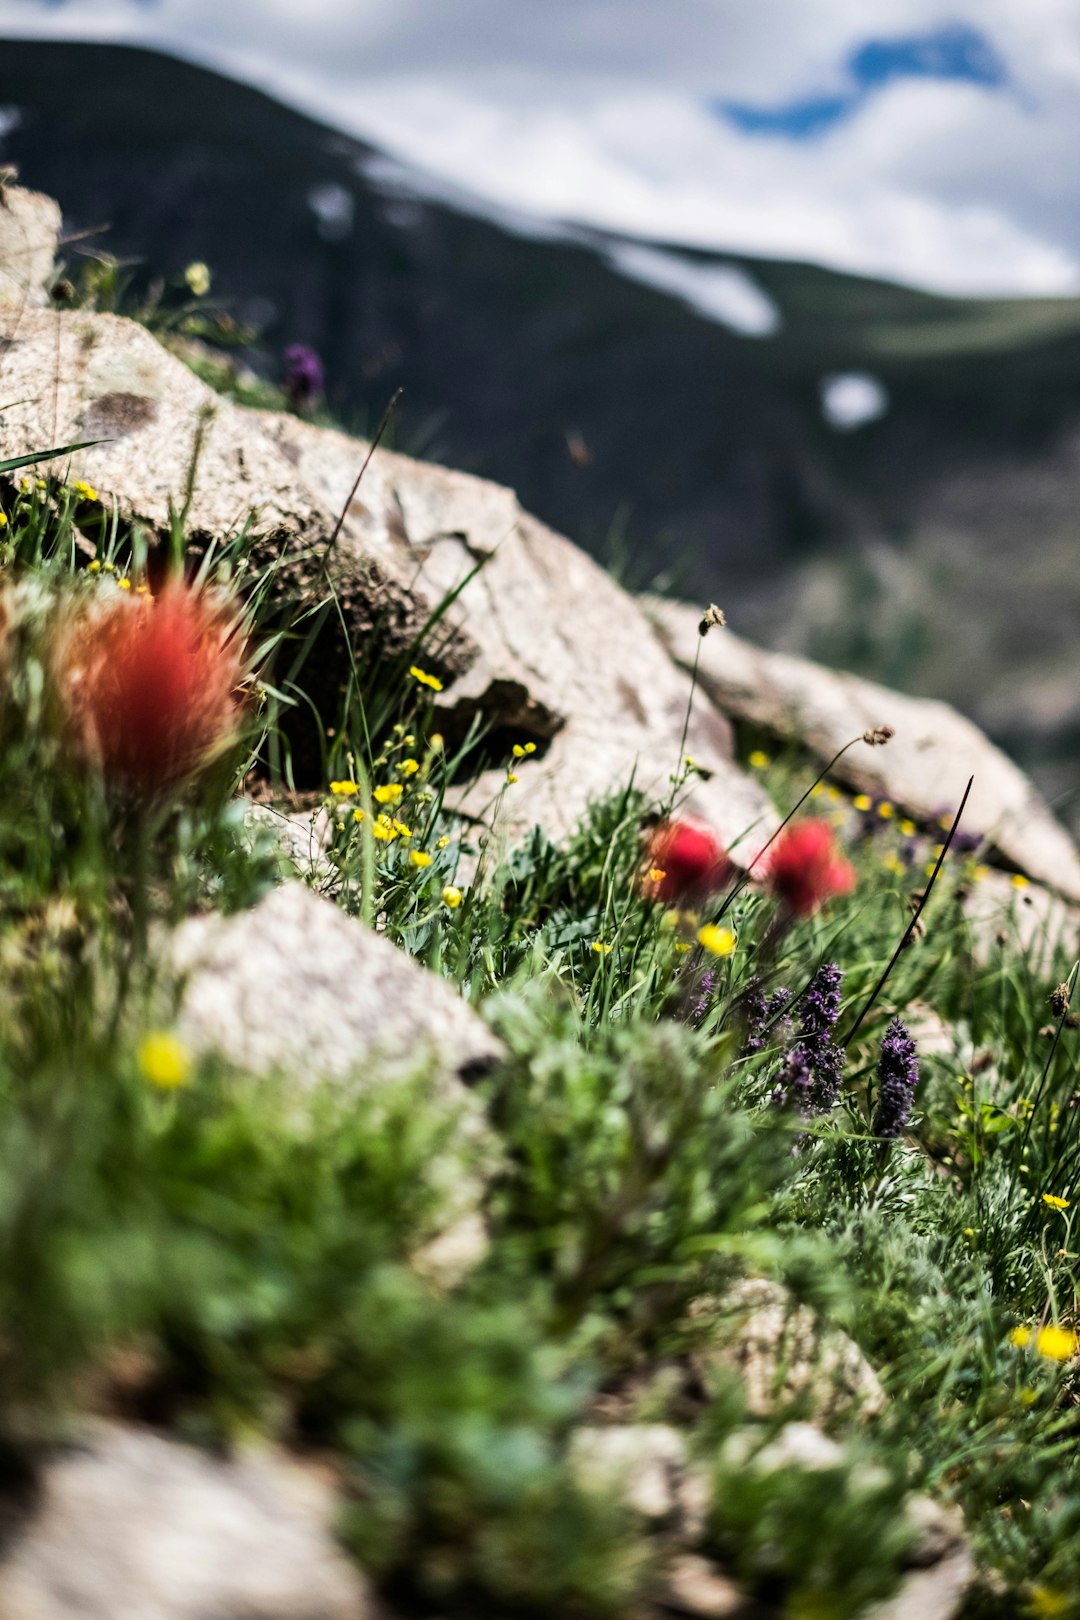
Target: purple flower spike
(305,378)
(811,1078)
(898,1076)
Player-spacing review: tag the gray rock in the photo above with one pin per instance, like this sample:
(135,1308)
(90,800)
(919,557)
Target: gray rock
(644,1465)
(297,985)
(540,643)
(29,238)
(923,769)
(783,1354)
(695,1585)
(131,1526)
(565,657)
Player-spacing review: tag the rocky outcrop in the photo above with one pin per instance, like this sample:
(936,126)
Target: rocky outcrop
(528,635)
(29,238)
(783,1355)
(926,765)
(296,985)
(127,1525)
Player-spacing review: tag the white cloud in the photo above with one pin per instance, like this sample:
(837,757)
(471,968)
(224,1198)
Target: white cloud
(596,111)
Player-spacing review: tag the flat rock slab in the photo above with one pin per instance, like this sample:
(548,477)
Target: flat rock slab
(131,1526)
(923,769)
(29,238)
(296,985)
(565,657)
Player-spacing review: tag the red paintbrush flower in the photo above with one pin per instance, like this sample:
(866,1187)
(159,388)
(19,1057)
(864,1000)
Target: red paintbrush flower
(685,863)
(804,868)
(148,688)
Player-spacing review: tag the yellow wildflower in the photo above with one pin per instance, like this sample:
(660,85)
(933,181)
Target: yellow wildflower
(342,790)
(1020,1337)
(164,1060)
(1027,1396)
(833,794)
(3,520)
(142,590)
(657,874)
(1052,1201)
(358,816)
(426,680)
(451,897)
(908,828)
(419,857)
(197,276)
(862,801)
(1046,1603)
(124,583)
(717,941)
(384,830)
(893,864)
(93,567)
(511,778)
(518,751)
(530,748)
(600,948)
(759,759)
(885,810)
(682,947)
(85,490)
(817,790)
(436,742)
(401,829)
(389,793)
(441,843)
(409,767)
(1019,881)
(1056,1343)
(110,568)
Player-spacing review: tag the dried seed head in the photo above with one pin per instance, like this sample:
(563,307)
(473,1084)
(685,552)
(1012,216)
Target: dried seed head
(712,616)
(1059,1001)
(878,736)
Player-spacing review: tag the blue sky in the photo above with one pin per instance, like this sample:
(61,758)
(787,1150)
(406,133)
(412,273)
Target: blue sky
(927,141)
(952,53)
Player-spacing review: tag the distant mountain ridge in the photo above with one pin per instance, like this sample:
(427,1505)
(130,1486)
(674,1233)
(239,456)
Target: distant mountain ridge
(933,547)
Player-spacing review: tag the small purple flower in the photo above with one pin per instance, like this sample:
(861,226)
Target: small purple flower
(705,990)
(814,1069)
(759,1013)
(898,1076)
(305,378)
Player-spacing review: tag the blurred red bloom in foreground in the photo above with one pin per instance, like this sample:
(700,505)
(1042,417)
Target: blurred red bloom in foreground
(684,863)
(149,686)
(804,868)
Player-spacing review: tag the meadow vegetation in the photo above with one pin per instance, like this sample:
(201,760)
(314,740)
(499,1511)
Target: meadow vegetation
(704,1080)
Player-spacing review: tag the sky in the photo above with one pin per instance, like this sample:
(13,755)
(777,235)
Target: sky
(929,142)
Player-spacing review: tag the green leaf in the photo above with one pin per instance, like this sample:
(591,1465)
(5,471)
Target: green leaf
(46,455)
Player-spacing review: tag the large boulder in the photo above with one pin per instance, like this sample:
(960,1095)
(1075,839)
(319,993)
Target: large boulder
(924,768)
(29,236)
(296,985)
(127,1525)
(566,658)
(537,641)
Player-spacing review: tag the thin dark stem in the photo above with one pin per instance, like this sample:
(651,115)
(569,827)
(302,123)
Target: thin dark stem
(384,423)
(738,888)
(913,924)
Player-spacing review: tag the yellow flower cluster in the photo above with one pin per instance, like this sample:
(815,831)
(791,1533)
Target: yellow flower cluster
(1055,1343)
(164,1060)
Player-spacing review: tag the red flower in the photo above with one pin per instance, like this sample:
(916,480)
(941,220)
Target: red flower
(149,688)
(684,863)
(804,867)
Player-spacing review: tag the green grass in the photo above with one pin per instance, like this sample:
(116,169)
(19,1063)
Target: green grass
(253,1262)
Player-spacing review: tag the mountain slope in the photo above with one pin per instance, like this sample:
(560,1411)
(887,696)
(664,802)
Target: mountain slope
(931,547)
